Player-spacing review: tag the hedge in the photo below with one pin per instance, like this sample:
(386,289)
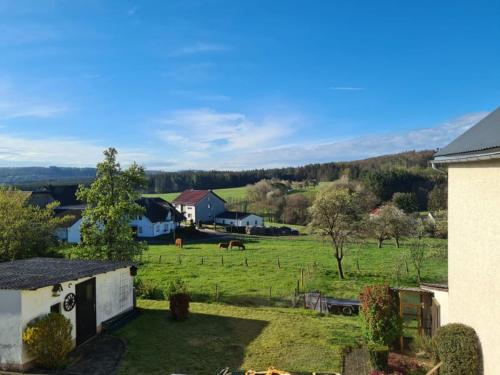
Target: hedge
(457,347)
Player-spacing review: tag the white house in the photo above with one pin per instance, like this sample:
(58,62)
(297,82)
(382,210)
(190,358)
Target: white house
(88,293)
(160,217)
(472,162)
(199,206)
(239,219)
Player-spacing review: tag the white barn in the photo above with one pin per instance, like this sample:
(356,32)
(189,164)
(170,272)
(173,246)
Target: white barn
(88,293)
(239,219)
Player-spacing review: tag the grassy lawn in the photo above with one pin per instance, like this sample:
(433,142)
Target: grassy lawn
(216,336)
(226,194)
(253,277)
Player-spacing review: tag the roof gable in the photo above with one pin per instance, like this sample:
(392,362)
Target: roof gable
(192,197)
(482,137)
(157,209)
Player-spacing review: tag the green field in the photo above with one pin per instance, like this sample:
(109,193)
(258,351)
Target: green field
(226,194)
(217,336)
(268,271)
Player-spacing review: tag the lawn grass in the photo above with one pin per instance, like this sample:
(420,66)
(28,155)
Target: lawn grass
(268,271)
(237,193)
(216,336)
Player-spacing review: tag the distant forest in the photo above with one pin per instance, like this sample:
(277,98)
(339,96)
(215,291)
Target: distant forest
(415,164)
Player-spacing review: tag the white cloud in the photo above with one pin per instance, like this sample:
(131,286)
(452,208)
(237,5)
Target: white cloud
(198,48)
(356,148)
(17,105)
(220,132)
(22,150)
(346,88)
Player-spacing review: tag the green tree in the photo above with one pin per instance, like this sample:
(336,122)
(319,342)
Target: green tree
(111,203)
(336,214)
(406,201)
(25,230)
(418,256)
(437,198)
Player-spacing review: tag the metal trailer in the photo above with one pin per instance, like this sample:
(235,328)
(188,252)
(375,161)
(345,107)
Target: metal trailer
(324,304)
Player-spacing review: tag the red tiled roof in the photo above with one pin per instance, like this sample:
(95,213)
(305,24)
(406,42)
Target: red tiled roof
(191,197)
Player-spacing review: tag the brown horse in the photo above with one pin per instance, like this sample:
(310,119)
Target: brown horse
(237,244)
(223,245)
(178,243)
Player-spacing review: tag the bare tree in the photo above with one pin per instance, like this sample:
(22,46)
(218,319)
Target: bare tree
(418,255)
(336,214)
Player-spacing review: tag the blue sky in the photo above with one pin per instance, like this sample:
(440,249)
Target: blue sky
(241,84)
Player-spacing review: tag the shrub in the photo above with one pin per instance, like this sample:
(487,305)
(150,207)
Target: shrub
(405,201)
(381,322)
(146,290)
(48,339)
(379,357)
(457,347)
(179,299)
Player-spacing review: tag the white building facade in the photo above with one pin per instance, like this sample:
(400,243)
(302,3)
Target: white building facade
(200,206)
(88,293)
(239,219)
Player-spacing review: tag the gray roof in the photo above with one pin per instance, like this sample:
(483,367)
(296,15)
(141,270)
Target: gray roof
(34,273)
(234,215)
(482,138)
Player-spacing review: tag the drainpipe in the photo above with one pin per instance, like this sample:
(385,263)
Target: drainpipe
(435,167)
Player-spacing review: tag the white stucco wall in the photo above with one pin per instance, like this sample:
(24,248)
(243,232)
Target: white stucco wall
(251,220)
(70,234)
(474,253)
(10,327)
(114,295)
(145,228)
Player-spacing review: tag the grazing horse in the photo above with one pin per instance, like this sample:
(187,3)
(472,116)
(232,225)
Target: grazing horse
(178,243)
(223,245)
(237,244)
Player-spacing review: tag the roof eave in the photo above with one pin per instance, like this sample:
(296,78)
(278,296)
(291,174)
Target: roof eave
(465,158)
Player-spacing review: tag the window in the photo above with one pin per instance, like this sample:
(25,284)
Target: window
(255,222)
(209,205)
(139,230)
(56,308)
(189,216)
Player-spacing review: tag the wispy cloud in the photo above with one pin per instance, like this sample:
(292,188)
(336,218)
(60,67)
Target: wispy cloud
(23,150)
(133,10)
(356,148)
(17,105)
(198,48)
(206,134)
(346,88)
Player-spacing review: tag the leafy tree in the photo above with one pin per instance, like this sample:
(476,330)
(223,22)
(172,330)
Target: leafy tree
(25,230)
(438,198)
(296,209)
(378,225)
(336,214)
(111,204)
(406,201)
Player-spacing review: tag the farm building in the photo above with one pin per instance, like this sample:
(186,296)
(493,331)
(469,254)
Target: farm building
(239,219)
(88,293)
(160,218)
(472,162)
(199,206)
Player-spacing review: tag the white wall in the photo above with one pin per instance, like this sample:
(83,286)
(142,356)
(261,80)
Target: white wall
(250,220)
(145,228)
(114,295)
(10,328)
(474,253)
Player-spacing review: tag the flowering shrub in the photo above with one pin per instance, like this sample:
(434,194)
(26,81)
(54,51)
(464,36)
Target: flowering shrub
(381,323)
(48,339)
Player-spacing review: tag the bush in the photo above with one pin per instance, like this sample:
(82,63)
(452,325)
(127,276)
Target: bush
(379,357)
(457,347)
(146,290)
(179,300)
(405,201)
(48,339)
(381,322)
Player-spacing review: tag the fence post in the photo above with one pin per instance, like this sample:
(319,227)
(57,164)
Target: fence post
(357,265)
(179,259)
(159,261)
(279,265)
(216,293)
(270,293)
(302,277)
(246,262)
(202,260)
(222,259)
